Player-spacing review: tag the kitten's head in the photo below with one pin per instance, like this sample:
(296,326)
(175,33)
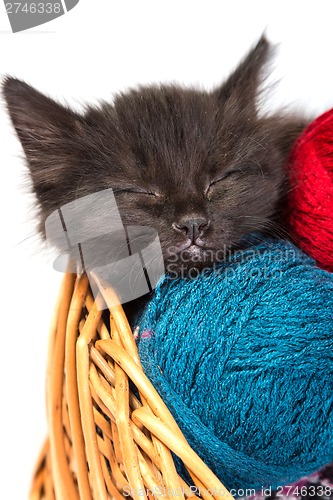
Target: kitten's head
(202,168)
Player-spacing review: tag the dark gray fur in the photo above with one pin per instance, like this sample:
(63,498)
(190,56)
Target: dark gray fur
(177,158)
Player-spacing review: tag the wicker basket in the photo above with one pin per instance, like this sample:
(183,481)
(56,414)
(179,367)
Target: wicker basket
(104,442)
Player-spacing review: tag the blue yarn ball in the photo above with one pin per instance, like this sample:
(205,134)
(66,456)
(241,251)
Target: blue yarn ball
(243,358)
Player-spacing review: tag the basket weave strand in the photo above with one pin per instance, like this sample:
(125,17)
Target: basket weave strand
(104,440)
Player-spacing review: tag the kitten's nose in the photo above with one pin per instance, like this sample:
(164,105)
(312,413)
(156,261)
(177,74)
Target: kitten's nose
(192,228)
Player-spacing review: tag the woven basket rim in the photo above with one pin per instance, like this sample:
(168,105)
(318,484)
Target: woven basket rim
(106,441)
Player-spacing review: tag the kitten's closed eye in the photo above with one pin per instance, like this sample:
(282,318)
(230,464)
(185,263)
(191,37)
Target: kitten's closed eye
(138,191)
(226,175)
(230,175)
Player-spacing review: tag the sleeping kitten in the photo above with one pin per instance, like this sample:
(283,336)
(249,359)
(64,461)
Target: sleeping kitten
(202,168)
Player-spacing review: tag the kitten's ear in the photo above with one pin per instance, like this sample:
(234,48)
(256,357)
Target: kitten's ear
(240,91)
(41,123)
(49,134)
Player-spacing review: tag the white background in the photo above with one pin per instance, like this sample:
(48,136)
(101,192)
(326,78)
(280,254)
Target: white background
(98,48)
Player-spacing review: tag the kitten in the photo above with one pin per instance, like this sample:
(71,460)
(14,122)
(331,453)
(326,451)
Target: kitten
(202,168)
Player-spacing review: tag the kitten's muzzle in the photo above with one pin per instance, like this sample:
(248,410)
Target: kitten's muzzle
(192,228)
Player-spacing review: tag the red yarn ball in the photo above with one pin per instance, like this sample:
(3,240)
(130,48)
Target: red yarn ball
(311,198)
